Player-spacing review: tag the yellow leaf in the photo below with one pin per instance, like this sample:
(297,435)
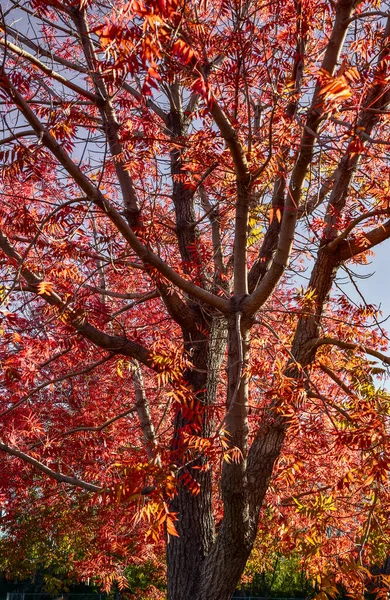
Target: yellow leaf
(119,369)
(45,287)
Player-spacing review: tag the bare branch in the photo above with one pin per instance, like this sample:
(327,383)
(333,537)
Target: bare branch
(111,124)
(149,103)
(349,249)
(368,525)
(74,481)
(16,136)
(231,138)
(126,296)
(212,212)
(143,298)
(143,410)
(370,13)
(98,428)
(243,178)
(58,476)
(33,13)
(287,501)
(317,199)
(47,70)
(327,402)
(351,346)
(17,35)
(336,379)
(81,69)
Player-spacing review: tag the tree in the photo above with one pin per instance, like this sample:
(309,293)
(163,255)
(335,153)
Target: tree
(171,171)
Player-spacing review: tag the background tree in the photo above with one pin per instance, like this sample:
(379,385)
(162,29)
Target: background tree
(169,169)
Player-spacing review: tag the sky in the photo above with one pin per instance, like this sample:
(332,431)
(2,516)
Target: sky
(376,288)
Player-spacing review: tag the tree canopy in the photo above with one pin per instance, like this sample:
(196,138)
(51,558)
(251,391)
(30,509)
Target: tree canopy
(184,186)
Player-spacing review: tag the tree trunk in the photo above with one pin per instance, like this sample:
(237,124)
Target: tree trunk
(186,553)
(224,565)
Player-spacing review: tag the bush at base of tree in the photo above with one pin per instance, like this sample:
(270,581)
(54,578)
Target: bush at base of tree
(286,579)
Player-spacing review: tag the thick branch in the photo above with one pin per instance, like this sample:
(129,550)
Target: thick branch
(111,124)
(212,212)
(270,242)
(243,179)
(231,138)
(178,309)
(187,231)
(145,418)
(373,213)
(327,263)
(349,249)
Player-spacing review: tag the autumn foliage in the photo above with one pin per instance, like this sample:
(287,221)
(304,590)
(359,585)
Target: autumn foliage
(183,185)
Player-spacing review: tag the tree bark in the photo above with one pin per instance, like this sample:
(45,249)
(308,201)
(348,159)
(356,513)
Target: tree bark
(186,553)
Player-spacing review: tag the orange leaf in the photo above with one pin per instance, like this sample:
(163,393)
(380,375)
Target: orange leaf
(45,287)
(171,529)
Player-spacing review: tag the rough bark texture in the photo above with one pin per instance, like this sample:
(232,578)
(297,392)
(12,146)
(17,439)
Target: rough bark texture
(196,527)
